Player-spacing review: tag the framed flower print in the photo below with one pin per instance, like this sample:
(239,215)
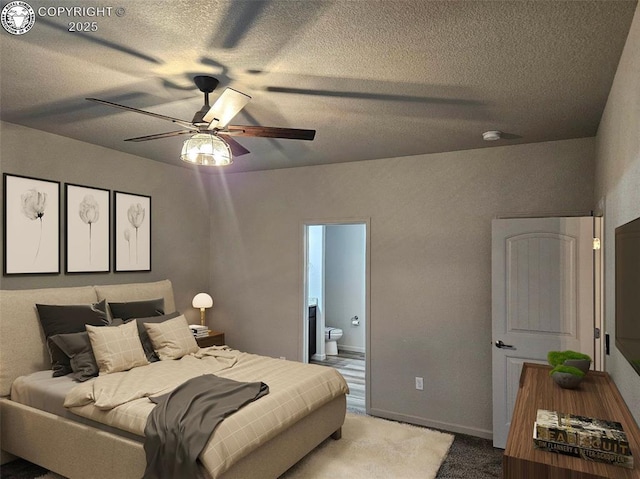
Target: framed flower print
(132,235)
(87,238)
(31,225)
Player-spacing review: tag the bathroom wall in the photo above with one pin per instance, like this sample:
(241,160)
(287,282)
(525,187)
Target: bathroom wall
(345,283)
(315,271)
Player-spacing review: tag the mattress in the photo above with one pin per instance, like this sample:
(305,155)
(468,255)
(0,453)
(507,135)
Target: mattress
(41,391)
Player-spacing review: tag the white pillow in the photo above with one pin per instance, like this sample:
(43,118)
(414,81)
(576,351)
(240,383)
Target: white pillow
(172,339)
(116,348)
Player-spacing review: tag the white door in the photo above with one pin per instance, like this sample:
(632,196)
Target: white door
(542,300)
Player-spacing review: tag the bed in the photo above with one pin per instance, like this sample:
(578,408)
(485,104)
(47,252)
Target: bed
(73,444)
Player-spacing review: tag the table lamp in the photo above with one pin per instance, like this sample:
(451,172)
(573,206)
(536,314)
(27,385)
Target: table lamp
(202,301)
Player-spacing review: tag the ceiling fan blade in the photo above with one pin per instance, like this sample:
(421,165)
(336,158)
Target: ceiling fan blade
(271,132)
(236,148)
(184,123)
(161,135)
(225,108)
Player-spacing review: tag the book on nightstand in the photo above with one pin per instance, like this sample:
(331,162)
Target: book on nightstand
(580,436)
(199,331)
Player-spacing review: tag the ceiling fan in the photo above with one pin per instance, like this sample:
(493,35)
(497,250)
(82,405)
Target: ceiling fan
(211,142)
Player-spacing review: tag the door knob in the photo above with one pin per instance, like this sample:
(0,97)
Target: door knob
(501,345)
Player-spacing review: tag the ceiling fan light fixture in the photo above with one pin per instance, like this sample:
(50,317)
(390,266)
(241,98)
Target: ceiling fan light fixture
(492,135)
(206,149)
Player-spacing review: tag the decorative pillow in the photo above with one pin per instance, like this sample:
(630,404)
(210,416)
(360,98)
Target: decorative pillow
(172,339)
(137,309)
(73,354)
(147,345)
(77,348)
(72,318)
(117,348)
(59,360)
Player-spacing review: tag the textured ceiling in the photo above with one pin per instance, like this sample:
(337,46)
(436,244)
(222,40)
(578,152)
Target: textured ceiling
(375,79)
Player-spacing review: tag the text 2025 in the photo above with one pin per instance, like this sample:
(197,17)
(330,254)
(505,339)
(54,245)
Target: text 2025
(83,26)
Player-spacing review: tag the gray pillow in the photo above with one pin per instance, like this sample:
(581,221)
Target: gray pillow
(137,309)
(147,345)
(59,360)
(77,348)
(64,319)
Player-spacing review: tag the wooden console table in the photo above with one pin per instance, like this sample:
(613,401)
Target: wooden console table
(597,396)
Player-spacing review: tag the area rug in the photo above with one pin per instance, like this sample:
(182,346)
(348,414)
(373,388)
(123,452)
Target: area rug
(370,448)
(373,448)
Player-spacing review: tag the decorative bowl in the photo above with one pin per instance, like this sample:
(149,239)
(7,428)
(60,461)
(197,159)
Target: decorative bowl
(566,380)
(582,364)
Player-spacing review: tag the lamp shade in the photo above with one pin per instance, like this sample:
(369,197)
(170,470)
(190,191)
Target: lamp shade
(206,149)
(202,300)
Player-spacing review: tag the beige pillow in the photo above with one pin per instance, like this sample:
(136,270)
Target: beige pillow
(172,339)
(116,348)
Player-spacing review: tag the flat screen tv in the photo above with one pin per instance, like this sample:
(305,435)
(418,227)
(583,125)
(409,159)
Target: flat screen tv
(628,292)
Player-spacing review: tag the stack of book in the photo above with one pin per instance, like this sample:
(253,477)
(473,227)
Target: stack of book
(199,331)
(585,437)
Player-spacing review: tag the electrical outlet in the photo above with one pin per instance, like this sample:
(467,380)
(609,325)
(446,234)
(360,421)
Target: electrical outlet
(419,384)
(282,357)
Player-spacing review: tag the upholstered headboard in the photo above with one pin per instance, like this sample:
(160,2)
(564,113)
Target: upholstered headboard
(139,292)
(22,345)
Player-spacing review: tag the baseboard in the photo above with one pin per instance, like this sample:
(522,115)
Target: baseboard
(6,457)
(420,421)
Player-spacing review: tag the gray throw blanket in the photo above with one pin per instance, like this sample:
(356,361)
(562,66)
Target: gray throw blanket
(179,427)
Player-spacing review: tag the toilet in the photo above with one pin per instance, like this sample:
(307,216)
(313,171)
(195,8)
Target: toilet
(331,336)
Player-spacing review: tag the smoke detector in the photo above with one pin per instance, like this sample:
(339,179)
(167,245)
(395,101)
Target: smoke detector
(491,135)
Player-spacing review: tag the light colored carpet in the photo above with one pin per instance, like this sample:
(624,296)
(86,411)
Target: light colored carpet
(371,448)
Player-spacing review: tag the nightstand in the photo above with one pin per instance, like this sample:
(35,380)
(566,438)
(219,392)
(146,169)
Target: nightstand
(215,338)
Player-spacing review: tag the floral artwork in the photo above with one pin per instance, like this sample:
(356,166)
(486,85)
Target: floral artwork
(31,225)
(132,232)
(135,214)
(34,203)
(87,233)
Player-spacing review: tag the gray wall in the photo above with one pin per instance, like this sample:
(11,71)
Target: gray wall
(618,191)
(430,311)
(180,218)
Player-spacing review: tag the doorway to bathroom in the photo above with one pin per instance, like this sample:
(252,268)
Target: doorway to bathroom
(336,301)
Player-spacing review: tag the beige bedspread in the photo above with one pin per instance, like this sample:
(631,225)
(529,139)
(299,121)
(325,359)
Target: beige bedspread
(295,389)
